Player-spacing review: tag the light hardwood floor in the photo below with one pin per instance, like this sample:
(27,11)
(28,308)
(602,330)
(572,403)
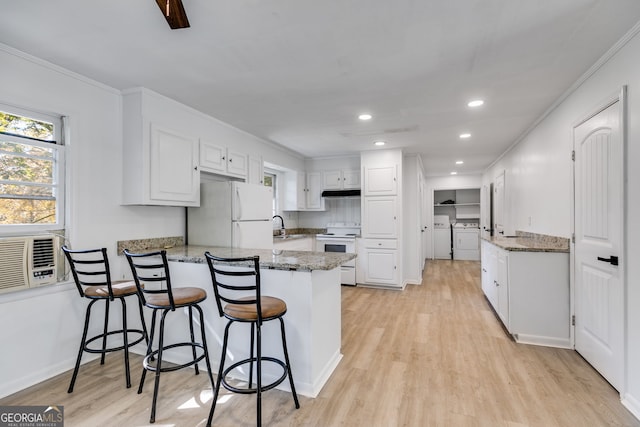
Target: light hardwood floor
(432,355)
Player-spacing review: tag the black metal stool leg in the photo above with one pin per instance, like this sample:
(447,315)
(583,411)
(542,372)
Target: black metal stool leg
(142,321)
(251,355)
(286,359)
(149,345)
(204,345)
(220,369)
(83,340)
(193,339)
(152,418)
(125,339)
(106,331)
(259,374)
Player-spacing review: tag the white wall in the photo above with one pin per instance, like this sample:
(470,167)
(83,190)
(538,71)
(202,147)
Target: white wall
(539,182)
(42,326)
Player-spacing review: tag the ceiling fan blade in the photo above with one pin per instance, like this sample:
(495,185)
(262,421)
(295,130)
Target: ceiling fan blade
(174,13)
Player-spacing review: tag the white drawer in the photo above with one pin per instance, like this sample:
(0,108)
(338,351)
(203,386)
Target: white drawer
(381,243)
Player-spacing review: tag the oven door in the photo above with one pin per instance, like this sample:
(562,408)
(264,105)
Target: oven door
(347,270)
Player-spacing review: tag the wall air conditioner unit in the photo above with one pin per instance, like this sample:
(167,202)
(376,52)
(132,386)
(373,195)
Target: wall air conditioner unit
(28,262)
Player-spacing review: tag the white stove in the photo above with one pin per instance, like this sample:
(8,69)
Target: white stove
(341,237)
(340,230)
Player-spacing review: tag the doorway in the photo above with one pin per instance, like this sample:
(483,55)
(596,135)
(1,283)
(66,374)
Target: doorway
(598,143)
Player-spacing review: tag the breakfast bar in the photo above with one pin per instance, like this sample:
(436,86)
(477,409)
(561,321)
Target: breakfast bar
(309,283)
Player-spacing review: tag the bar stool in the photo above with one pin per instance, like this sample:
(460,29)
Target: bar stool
(236,283)
(90,270)
(150,271)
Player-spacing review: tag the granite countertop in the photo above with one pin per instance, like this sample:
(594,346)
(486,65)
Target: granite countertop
(530,242)
(272,259)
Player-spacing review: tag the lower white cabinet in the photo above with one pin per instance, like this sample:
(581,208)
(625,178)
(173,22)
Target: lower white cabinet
(529,292)
(378,263)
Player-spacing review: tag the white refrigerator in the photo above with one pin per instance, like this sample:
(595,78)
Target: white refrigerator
(232,214)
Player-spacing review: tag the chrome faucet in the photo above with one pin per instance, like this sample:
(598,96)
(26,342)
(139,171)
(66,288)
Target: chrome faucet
(283,231)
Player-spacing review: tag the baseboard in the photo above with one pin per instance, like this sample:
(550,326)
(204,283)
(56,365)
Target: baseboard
(543,341)
(632,404)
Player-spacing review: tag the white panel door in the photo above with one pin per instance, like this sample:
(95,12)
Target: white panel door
(599,307)
(380,217)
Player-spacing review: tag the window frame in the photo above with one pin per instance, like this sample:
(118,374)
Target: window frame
(59,159)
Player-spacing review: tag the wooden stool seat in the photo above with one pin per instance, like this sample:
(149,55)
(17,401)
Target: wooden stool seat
(119,289)
(182,297)
(271,308)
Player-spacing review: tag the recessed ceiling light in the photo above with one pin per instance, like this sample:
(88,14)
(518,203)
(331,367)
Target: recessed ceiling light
(475,103)
(465,135)
(365,116)
(379,143)
(454,173)
(459,162)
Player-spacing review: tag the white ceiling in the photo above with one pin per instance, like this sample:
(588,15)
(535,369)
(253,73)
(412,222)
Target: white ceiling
(298,72)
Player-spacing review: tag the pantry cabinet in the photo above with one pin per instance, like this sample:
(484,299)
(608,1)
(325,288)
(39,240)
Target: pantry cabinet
(381,210)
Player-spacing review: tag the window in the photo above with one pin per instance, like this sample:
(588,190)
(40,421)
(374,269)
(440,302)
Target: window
(270,181)
(31,171)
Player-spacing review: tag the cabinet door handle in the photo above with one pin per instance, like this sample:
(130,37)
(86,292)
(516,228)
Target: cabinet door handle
(230,159)
(195,168)
(613,260)
(223,158)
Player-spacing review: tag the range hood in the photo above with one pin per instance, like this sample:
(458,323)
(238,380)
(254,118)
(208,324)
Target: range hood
(341,193)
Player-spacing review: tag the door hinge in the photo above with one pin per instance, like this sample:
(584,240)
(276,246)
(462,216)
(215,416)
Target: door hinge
(573,155)
(573,237)
(573,320)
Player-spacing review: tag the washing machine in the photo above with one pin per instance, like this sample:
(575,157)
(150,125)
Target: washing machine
(466,241)
(441,237)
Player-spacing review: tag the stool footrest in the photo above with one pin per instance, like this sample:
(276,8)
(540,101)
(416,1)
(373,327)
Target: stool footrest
(151,356)
(251,390)
(111,349)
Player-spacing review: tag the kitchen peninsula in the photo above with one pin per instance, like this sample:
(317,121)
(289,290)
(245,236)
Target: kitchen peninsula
(309,282)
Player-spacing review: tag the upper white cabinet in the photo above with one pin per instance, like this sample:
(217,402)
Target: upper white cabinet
(303,192)
(255,173)
(160,162)
(341,179)
(380,217)
(215,158)
(380,180)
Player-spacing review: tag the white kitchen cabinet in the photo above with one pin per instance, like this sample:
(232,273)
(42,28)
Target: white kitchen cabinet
(218,159)
(255,173)
(530,293)
(341,179)
(303,192)
(160,163)
(380,217)
(502,286)
(381,262)
(380,180)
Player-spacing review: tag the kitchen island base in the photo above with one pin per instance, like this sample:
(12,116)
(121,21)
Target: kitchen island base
(312,322)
